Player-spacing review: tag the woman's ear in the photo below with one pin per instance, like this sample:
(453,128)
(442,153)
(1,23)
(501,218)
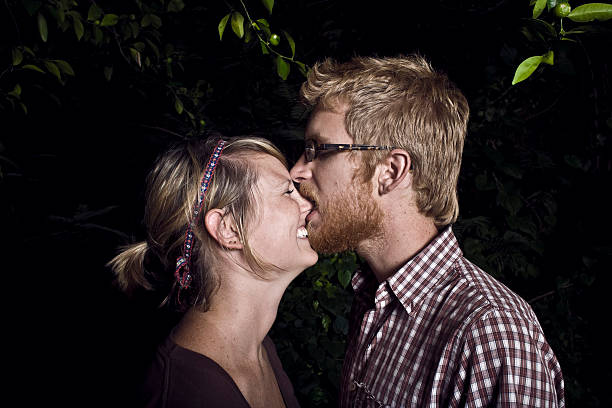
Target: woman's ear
(222,228)
(395,171)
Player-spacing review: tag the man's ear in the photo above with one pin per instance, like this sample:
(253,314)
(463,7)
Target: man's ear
(222,228)
(394,171)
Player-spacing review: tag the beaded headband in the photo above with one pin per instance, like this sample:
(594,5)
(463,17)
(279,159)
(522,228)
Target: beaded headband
(183,263)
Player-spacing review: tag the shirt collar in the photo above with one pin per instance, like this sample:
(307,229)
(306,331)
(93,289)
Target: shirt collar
(413,281)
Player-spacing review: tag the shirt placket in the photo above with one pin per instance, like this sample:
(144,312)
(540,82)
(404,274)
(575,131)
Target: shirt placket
(372,327)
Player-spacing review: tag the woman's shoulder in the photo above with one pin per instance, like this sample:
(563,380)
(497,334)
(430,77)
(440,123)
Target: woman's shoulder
(179,377)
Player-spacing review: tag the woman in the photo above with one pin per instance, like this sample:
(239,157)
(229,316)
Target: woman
(225,223)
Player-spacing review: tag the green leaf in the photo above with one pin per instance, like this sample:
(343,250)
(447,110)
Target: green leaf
(33,68)
(539,8)
(140,46)
(176,6)
(16,92)
(268,4)
(42,27)
(282,67)
(153,47)
(291,43)
(31,6)
(551,4)
(65,67)
(526,68)
(264,26)
(510,202)
(156,21)
(108,73)
(28,50)
(109,20)
(52,68)
(135,28)
(549,58)
(145,21)
(325,321)
(178,105)
(238,24)
(94,12)
(79,30)
(264,47)
(222,25)
(590,12)
(575,31)
(545,26)
(344,276)
(17,56)
(302,67)
(98,35)
(341,325)
(263,22)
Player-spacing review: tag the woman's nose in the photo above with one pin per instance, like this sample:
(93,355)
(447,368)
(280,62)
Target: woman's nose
(305,205)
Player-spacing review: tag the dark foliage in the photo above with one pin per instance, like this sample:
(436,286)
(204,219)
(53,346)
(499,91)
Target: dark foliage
(536,167)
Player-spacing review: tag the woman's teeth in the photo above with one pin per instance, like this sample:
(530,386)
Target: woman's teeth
(302,232)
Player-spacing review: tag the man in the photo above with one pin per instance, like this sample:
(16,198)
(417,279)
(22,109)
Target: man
(427,327)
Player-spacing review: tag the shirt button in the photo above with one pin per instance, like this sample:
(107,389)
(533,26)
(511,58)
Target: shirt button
(352,387)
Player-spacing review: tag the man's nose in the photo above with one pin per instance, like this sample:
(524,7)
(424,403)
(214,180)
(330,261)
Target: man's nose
(301,170)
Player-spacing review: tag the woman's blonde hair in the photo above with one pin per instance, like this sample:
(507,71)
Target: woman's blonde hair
(400,102)
(172,190)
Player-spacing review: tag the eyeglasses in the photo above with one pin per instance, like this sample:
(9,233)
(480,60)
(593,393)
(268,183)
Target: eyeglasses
(311,148)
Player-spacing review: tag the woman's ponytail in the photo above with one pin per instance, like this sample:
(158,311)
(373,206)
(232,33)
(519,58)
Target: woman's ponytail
(128,266)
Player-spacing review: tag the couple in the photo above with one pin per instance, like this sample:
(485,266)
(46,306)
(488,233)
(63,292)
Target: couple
(378,175)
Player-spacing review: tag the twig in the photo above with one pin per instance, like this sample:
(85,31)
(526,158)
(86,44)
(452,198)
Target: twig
(14,21)
(547,294)
(163,130)
(543,111)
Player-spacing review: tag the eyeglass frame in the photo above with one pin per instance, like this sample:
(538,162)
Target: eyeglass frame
(344,147)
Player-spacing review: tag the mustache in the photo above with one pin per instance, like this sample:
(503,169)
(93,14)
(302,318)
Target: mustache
(308,192)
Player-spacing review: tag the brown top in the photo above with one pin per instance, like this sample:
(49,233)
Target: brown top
(182,378)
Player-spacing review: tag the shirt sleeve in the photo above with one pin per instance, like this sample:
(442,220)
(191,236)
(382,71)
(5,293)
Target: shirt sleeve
(506,362)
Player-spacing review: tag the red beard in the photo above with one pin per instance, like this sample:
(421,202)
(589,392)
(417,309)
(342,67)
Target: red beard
(346,219)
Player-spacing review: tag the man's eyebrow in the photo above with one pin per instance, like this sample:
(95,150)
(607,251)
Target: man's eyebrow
(313,136)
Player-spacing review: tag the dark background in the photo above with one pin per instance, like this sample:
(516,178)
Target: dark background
(534,209)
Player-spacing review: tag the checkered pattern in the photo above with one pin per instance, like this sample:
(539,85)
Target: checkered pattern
(441,332)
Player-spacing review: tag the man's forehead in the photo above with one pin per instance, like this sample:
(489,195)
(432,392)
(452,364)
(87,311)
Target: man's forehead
(324,126)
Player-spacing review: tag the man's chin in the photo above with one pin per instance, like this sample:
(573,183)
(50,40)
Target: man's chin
(325,240)
(345,222)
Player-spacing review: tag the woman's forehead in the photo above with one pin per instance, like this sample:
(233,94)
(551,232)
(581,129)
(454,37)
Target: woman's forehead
(271,171)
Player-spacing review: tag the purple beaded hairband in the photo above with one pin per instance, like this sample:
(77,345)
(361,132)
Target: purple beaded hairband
(183,262)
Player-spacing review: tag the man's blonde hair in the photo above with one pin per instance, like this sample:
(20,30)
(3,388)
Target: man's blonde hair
(400,102)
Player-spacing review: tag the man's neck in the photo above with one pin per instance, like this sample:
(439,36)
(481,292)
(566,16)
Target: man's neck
(404,237)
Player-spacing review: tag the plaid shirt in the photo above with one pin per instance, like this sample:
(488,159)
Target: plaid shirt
(441,332)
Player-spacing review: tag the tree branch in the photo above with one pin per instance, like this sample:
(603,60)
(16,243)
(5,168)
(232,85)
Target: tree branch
(547,294)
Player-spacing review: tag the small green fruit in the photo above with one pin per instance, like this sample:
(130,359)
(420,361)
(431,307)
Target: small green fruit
(562,9)
(274,39)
